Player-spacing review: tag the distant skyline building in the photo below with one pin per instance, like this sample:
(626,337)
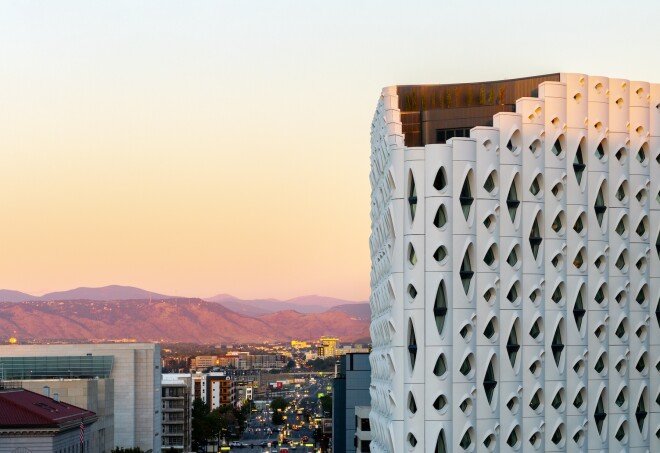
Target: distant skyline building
(328,346)
(515,266)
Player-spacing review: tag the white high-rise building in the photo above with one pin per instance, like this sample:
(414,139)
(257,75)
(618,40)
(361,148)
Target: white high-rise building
(515,266)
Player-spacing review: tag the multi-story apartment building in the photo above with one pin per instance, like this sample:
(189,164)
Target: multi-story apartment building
(132,368)
(176,412)
(244,389)
(515,266)
(215,389)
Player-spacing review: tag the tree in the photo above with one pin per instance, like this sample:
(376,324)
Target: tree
(278,403)
(201,428)
(321,439)
(212,424)
(326,405)
(320,364)
(278,418)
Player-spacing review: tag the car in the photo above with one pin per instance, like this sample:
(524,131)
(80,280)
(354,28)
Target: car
(235,443)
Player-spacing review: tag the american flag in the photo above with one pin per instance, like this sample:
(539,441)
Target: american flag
(82,432)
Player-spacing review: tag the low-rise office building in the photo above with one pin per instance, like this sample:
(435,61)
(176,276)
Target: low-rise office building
(133,368)
(31,422)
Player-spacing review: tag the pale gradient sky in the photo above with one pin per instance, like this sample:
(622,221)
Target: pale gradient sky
(192,148)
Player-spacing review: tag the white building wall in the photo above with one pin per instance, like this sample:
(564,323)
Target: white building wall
(566,368)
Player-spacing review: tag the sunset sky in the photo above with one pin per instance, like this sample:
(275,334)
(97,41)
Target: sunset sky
(196,148)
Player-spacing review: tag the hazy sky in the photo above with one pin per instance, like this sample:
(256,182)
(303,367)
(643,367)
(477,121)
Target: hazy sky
(198,147)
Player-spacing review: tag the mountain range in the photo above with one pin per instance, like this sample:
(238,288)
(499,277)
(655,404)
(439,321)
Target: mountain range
(111,292)
(257,307)
(119,312)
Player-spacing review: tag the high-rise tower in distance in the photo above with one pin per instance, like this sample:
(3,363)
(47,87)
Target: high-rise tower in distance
(515,281)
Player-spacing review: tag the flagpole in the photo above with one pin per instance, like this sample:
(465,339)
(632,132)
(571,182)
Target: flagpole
(82,435)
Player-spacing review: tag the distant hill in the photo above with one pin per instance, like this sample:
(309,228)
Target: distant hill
(107,293)
(8,295)
(359,311)
(257,307)
(173,320)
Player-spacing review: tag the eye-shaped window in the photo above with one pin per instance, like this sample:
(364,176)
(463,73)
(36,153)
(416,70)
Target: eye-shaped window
(467,366)
(536,402)
(440,181)
(489,381)
(512,201)
(557,190)
(491,183)
(412,344)
(412,256)
(490,331)
(578,165)
(440,254)
(512,345)
(580,400)
(440,403)
(466,272)
(599,205)
(579,224)
(536,188)
(557,148)
(621,155)
(440,307)
(558,223)
(412,196)
(622,192)
(490,257)
(513,440)
(535,237)
(578,309)
(440,219)
(466,199)
(440,368)
(599,413)
(600,151)
(441,443)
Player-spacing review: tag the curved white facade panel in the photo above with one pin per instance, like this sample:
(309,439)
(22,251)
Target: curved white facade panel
(516,276)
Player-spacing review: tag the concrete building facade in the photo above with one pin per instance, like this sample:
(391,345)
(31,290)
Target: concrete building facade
(515,266)
(362,439)
(136,374)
